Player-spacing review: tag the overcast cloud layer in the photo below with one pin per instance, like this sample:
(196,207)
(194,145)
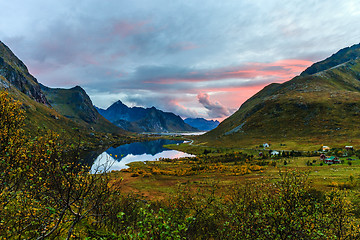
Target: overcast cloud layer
(195,58)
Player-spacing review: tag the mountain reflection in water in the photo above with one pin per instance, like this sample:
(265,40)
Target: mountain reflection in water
(117,158)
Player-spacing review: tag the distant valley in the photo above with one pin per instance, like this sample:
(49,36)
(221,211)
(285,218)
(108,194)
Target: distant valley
(202,124)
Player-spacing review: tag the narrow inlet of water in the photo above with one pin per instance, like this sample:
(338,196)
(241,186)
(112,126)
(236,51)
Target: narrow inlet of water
(117,158)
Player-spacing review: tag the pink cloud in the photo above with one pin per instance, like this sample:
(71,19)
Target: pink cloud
(215,108)
(231,99)
(226,98)
(124,29)
(185,46)
(177,107)
(37,68)
(281,70)
(284,69)
(88,58)
(234,97)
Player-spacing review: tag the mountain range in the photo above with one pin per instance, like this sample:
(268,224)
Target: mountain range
(72,110)
(202,124)
(321,106)
(138,119)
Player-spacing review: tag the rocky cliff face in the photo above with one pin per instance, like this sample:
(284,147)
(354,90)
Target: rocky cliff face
(14,73)
(73,103)
(53,108)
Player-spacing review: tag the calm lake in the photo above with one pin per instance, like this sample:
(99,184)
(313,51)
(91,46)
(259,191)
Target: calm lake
(117,158)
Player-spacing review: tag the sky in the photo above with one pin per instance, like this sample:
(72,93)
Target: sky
(191,57)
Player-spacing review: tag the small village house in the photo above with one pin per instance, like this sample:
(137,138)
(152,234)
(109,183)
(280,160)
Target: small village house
(275,153)
(325,148)
(349,147)
(265,145)
(332,160)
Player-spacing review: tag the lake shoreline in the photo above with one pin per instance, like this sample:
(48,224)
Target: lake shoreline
(117,158)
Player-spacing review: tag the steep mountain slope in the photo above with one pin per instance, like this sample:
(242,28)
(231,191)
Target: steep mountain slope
(202,124)
(342,56)
(14,72)
(159,121)
(46,107)
(137,119)
(312,109)
(76,105)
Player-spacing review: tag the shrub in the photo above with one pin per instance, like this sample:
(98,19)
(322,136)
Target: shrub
(44,190)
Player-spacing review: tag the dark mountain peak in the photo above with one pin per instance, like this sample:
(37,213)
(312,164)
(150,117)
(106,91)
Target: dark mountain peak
(118,102)
(78,88)
(118,105)
(140,119)
(203,120)
(14,71)
(8,56)
(119,111)
(342,56)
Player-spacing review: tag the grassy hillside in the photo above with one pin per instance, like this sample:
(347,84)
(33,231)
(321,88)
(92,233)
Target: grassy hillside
(342,56)
(13,72)
(306,111)
(40,117)
(75,104)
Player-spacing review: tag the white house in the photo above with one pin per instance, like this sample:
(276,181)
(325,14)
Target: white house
(325,148)
(275,153)
(265,145)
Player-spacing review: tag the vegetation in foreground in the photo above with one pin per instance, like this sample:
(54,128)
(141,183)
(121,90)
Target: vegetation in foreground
(45,192)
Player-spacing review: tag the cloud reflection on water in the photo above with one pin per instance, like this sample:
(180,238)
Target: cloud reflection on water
(109,163)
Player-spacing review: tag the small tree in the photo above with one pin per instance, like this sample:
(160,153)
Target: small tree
(13,153)
(45,192)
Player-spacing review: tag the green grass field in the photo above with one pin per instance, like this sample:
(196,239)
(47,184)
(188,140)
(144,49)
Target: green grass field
(230,167)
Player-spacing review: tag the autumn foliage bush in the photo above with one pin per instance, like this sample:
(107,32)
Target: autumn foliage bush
(286,209)
(45,190)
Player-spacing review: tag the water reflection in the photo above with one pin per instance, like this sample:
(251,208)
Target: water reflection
(117,158)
